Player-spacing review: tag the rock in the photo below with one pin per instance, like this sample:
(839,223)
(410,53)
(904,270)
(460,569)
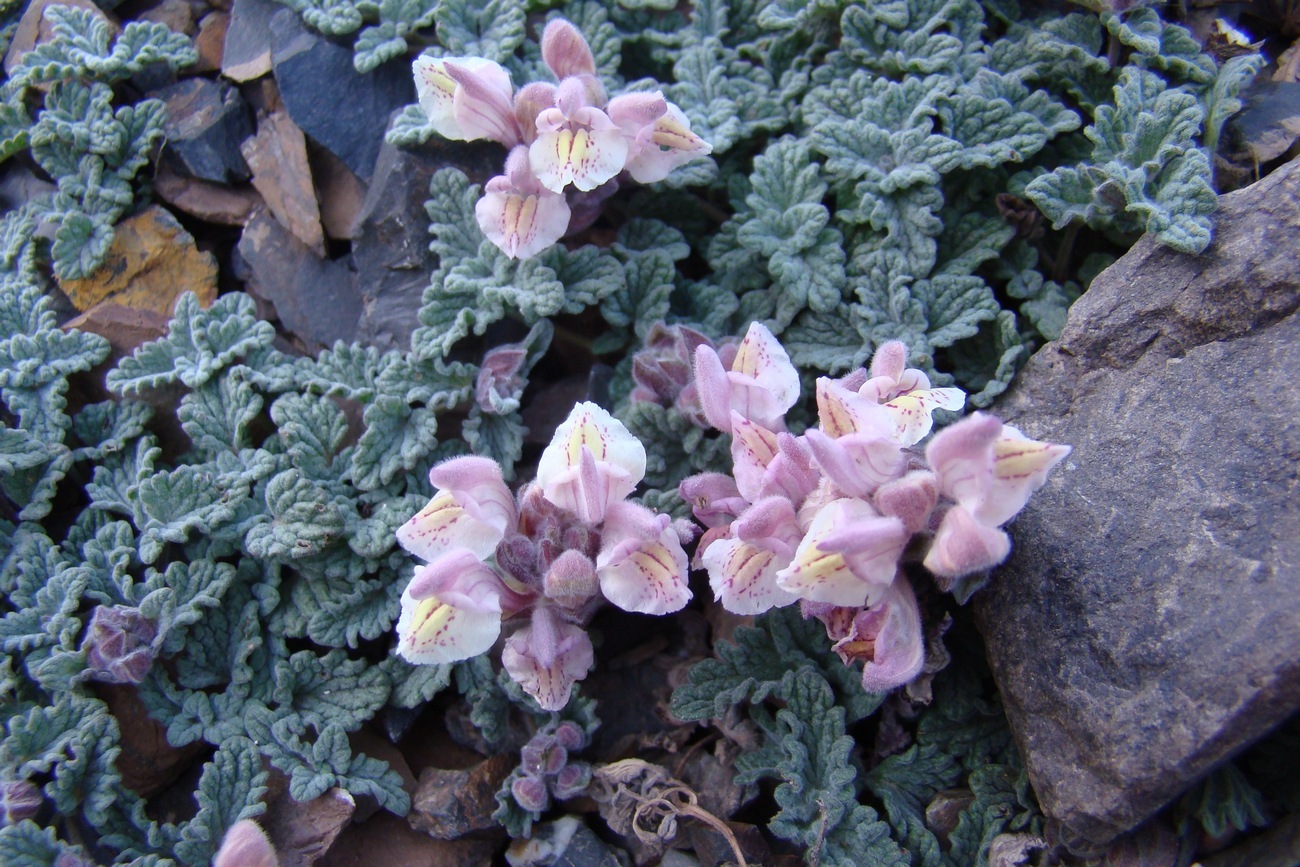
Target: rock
(390,240)
(1147,623)
(19,184)
(213,203)
(151,261)
(211,42)
(317,79)
(712,847)
(375,747)
(387,840)
(206,122)
(451,804)
(566,842)
(32,28)
(175,15)
(247,50)
(148,763)
(313,298)
(278,157)
(944,812)
(302,832)
(125,328)
(339,193)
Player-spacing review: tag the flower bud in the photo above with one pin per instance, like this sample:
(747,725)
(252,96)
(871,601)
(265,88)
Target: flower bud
(19,799)
(572,780)
(119,644)
(531,794)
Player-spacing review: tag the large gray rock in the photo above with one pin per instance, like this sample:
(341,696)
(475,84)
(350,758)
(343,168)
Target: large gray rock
(1147,624)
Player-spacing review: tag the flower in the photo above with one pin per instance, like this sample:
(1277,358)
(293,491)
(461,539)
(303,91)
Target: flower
(576,142)
(761,384)
(518,214)
(847,557)
(886,636)
(547,657)
(119,644)
(906,393)
(591,462)
(473,511)
(642,566)
(467,98)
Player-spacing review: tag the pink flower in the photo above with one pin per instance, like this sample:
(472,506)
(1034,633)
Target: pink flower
(990,470)
(761,385)
(473,511)
(452,609)
(660,135)
(743,569)
(592,461)
(576,142)
(467,98)
(887,637)
(848,556)
(906,394)
(565,50)
(547,657)
(519,215)
(641,565)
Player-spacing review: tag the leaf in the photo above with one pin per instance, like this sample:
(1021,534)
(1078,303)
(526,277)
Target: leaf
(108,428)
(331,17)
(330,689)
(28,843)
(312,430)
(727,99)
(216,415)
(230,790)
(821,341)
(397,19)
(500,437)
(763,661)
(1223,800)
(79,48)
(917,38)
(170,505)
(19,451)
(345,370)
(397,437)
(413,685)
(199,344)
(33,376)
(493,29)
(999,120)
(304,519)
(455,231)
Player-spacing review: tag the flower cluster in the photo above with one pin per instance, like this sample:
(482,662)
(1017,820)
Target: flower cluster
(545,559)
(824,518)
(545,770)
(568,142)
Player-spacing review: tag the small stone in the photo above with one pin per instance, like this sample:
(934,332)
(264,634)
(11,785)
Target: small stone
(212,203)
(387,841)
(246,54)
(339,192)
(451,804)
(151,261)
(211,42)
(125,328)
(205,124)
(33,29)
(1147,623)
(944,812)
(176,15)
(278,157)
(712,847)
(148,762)
(314,298)
(566,842)
(302,832)
(317,79)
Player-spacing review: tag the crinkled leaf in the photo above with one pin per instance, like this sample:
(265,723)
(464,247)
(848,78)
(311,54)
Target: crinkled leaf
(216,415)
(330,689)
(230,789)
(170,505)
(500,437)
(198,345)
(397,437)
(304,519)
(397,19)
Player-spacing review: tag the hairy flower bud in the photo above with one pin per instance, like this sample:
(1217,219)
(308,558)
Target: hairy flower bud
(119,644)
(531,793)
(572,780)
(19,799)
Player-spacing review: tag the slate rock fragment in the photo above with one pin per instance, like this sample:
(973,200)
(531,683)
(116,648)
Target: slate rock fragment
(341,109)
(390,238)
(1147,623)
(277,156)
(387,840)
(313,298)
(302,832)
(247,52)
(206,122)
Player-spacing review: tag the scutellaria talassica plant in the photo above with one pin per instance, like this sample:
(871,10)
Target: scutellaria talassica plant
(569,142)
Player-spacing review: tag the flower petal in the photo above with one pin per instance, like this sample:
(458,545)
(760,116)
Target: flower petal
(743,576)
(585,155)
(963,545)
(565,50)
(641,565)
(961,455)
(474,512)
(821,573)
(587,486)
(546,659)
(912,411)
(764,382)
(841,412)
(892,630)
(1020,467)
(670,144)
(432,632)
(521,226)
(753,447)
